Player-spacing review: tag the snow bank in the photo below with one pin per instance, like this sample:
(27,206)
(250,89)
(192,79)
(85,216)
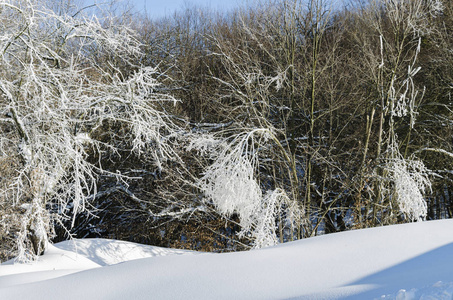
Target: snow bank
(108,252)
(411,261)
(55,263)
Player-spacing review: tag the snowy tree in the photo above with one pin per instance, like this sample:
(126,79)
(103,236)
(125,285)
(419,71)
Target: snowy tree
(401,180)
(63,77)
(232,184)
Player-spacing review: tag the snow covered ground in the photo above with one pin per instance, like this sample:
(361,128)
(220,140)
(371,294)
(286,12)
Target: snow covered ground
(411,261)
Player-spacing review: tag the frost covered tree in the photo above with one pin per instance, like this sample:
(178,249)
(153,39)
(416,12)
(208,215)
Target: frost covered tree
(277,63)
(64,77)
(232,184)
(304,119)
(401,179)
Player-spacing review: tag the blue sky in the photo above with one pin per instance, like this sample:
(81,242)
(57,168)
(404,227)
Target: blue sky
(160,8)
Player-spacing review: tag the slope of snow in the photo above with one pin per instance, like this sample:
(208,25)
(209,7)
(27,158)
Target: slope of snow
(55,263)
(108,252)
(77,255)
(411,261)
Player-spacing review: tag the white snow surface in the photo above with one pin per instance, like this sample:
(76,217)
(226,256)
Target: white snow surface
(410,261)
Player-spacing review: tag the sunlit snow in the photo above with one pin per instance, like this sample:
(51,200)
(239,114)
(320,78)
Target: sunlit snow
(411,261)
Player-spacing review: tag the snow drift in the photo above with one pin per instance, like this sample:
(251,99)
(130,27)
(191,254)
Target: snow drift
(411,261)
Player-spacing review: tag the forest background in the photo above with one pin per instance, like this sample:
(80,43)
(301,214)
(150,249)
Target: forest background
(222,131)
